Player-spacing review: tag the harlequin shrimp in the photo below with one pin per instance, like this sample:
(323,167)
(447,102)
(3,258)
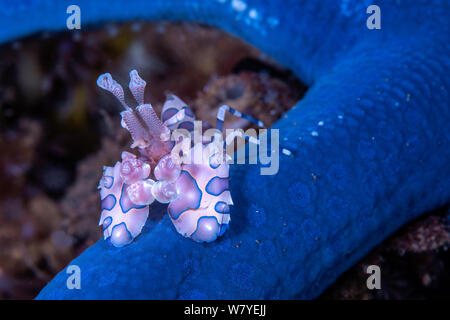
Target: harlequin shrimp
(197,193)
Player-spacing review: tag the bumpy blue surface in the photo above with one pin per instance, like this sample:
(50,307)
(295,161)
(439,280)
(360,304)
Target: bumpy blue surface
(380,159)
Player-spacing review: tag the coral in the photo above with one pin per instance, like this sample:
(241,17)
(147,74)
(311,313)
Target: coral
(414,264)
(33,246)
(256,94)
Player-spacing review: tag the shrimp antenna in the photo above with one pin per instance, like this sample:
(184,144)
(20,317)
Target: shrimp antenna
(137,87)
(106,82)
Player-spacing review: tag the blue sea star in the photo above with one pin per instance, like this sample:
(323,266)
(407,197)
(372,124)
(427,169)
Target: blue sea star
(370,139)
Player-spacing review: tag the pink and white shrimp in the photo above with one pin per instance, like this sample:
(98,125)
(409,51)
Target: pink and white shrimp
(197,192)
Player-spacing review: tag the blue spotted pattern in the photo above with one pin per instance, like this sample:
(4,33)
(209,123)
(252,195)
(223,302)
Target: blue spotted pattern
(186,200)
(217,185)
(109,202)
(108,181)
(222,207)
(106,222)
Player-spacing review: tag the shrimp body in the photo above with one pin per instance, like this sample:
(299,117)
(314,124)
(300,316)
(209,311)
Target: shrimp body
(197,191)
(202,209)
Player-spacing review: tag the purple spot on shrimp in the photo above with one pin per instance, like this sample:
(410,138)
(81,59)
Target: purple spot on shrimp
(207,229)
(217,185)
(211,165)
(106,223)
(189,126)
(189,198)
(120,235)
(188,111)
(108,182)
(222,207)
(125,203)
(109,202)
(169,113)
